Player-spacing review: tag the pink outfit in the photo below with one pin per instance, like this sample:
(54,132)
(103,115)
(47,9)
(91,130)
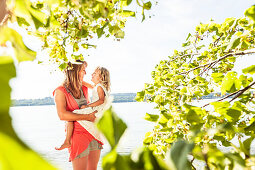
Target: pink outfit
(81,137)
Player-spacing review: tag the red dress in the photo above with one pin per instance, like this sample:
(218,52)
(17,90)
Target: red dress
(81,137)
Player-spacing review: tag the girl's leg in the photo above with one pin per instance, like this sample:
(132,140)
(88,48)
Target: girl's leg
(93,159)
(80,163)
(69,133)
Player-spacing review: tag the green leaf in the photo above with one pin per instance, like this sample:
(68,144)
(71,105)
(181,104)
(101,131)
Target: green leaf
(24,158)
(115,161)
(250,12)
(11,146)
(234,114)
(148,138)
(39,18)
(143,158)
(147,5)
(250,70)
(251,127)
(217,77)
(189,35)
(21,10)
(63,66)
(228,82)
(233,43)
(21,21)
(75,47)
(125,2)
(179,154)
(221,107)
(100,32)
(22,52)
(7,71)
(151,117)
(247,144)
(115,127)
(183,90)
(236,157)
(127,13)
(192,114)
(119,34)
(162,120)
(159,99)
(140,96)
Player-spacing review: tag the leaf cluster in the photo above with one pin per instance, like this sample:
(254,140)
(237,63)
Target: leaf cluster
(205,66)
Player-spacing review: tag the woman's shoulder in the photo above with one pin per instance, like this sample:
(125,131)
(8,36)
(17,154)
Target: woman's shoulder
(60,88)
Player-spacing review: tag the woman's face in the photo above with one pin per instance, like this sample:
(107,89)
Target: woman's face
(96,77)
(82,72)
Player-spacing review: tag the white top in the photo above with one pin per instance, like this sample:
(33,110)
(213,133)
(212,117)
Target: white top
(95,98)
(90,126)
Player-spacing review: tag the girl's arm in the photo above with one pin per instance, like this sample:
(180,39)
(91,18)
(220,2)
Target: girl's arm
(63,114)
(100,101)
(87,85)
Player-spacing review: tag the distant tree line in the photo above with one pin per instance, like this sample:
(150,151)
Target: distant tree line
(118,98)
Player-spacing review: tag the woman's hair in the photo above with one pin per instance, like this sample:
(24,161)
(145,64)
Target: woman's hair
(72,79)
(105,77)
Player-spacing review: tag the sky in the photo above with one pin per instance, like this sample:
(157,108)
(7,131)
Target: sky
(131,60)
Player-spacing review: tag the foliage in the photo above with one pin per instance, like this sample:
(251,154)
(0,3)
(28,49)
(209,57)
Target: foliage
(142,158)
(69,28)
(60,25)
(11,146)
(203,66)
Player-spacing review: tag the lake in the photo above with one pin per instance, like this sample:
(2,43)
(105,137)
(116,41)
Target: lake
(41,129)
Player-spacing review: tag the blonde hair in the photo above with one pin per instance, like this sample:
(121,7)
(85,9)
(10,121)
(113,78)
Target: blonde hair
(105,77)
(72,79)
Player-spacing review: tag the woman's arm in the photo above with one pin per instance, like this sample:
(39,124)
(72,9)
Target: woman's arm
(100,101)
(87,85)
(63,114)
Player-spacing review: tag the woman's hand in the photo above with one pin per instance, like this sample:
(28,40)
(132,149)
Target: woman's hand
(84,106)
(91,116)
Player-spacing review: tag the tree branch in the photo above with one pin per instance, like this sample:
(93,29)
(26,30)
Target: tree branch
(218,60)
(237,93)
(218,39)
(192,163)
(242,91)
(206,161)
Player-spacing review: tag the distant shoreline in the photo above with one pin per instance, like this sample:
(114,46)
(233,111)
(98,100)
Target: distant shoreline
(118,98)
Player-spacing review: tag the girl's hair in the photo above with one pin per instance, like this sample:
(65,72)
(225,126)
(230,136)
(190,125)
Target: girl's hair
(72,79)
(105,77)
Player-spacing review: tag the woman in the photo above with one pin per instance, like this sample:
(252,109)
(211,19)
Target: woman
(85,149)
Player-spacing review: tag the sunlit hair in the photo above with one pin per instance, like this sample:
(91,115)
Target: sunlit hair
(105,77)
(72,79)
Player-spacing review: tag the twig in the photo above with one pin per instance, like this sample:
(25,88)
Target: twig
(192,163)
(206,161)
(185,55)
(222,98)
(216,61)
(194,44)
(218,39)
(242,91)
(238,93)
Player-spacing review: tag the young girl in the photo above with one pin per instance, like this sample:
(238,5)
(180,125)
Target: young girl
(101,80)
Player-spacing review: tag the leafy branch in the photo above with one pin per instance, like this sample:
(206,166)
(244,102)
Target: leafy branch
(237,93)
(218,60)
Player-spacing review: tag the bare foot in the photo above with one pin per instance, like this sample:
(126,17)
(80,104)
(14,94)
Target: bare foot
(63,146)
